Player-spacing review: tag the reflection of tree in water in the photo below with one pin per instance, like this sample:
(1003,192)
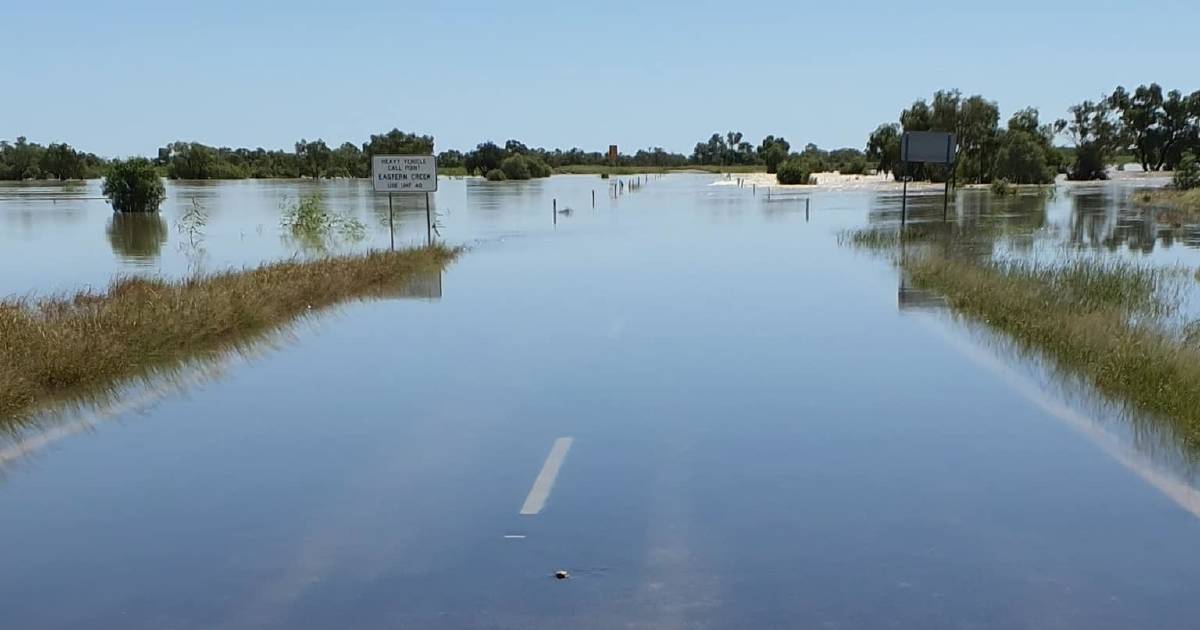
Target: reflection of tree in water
(1108,220)
(137,236)
(977,221)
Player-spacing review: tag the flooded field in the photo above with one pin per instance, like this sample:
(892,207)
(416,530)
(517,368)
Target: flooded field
(693,398)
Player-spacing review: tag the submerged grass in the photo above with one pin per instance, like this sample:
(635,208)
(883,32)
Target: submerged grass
(1185,202)
(1100,319)
(56,346)
(1115,321)
(1104,319)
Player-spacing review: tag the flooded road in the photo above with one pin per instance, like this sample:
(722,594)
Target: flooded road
(760,430)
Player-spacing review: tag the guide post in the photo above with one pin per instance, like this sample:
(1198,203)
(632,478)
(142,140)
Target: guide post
(405,174)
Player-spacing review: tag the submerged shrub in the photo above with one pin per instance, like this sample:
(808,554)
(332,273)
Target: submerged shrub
(515,167)
(794,171)
(133,186)
(1187,174)
(312,225)
(495,175)
(1002,187)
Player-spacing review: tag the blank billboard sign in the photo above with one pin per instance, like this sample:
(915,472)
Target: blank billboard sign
(931,147)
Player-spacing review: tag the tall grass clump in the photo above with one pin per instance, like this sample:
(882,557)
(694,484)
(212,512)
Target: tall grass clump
(57,346)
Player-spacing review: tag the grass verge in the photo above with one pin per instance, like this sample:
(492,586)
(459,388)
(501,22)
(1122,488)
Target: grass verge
(56,346)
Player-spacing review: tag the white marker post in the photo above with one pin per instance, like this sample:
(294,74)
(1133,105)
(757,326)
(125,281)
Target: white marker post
(405,174)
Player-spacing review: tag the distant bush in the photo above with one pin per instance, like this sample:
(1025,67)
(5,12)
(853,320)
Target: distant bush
(133,186)
(856,166)
(1187,174)
(1002,187)
(538,168)
(495,175)
(794,171)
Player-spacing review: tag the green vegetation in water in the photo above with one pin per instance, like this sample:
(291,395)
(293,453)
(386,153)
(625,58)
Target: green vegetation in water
(58,346)
(133,186)
(1108,319)
(309,222)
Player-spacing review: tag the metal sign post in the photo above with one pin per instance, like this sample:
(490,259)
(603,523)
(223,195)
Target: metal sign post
(926,147)
(405,174)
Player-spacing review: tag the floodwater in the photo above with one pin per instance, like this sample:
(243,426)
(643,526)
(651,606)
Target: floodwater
(765,428)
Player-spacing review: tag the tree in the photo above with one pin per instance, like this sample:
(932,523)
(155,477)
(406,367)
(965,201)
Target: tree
(712,152)
(1095,136)
(315,158)
(1020,159)
(396,142)
(883,147)
(773,151)
(133,186)
(63,162)
(515,167)
(486,157)
(451,158)
(1187,176)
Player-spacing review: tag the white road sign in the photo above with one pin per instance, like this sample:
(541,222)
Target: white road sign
(404,173)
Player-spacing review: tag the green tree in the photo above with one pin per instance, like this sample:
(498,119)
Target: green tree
(1020,159)
(1187,175)
(515,167)
(396,142)
(485,158)
(773,151)
(315,158)
(133,186)
(63,162)
(1095,135)
(883,148)
(451,158)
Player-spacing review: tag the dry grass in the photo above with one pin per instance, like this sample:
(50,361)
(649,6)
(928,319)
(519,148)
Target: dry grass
(50,347)
(1099,319)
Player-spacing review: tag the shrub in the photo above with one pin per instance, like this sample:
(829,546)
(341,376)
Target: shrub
(794,171)
(1187,174)
(496,175)
(538,168)
(133,186)
(1002,187)
(515,167)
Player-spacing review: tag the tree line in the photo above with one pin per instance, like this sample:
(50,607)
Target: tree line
(1158,129)
(28,160)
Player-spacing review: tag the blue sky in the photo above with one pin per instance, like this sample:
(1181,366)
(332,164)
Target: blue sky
(121,78)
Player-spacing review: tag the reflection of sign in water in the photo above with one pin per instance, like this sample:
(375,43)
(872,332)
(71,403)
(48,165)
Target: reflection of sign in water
(404,173)
(909,297)
(424,285)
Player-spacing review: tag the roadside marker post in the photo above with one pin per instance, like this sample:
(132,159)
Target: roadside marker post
(405,174)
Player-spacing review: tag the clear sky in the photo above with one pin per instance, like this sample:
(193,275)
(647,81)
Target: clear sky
(120,78)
